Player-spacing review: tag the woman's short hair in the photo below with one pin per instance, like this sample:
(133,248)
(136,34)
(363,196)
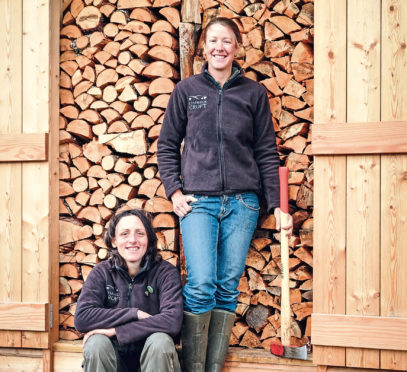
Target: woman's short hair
(226,22)
(145,218)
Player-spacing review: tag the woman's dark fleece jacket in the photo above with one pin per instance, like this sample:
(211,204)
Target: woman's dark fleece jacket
(229,140)
(110,299)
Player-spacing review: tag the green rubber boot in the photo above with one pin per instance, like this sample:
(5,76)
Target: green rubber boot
(194,336)
(220,329)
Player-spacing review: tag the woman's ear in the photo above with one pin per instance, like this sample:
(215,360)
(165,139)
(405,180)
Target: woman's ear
(114,243)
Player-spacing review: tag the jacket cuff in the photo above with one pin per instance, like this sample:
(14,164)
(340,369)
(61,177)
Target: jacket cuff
(172,189)
(271,205)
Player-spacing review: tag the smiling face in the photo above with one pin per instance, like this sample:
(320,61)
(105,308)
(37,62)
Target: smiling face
(131,240)
(219,48)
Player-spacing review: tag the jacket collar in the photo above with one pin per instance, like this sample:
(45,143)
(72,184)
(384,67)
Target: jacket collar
(123,271)
(236,72)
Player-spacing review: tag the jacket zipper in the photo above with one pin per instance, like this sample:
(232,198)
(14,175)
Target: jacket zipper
(129,292)
(219,126)
(220,139)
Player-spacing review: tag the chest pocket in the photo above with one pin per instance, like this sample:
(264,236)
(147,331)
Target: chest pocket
(113,295)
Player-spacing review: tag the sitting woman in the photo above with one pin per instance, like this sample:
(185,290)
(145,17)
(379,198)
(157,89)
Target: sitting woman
(131,306)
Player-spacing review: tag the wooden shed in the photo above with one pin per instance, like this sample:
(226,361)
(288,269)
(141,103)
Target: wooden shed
(358,160)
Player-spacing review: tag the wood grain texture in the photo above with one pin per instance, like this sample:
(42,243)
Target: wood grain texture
(35,340)
(243,367)
(67,362)
(14,363)
(53,237)
(190,11)
(10,339)
(23,316)
(285,285)
(363,247)
(339,369)
(35,191)
(23,147)
(359,331)
(373,137)
(393,176)
(10,174)
(330,172)
(363,173)
(187,41)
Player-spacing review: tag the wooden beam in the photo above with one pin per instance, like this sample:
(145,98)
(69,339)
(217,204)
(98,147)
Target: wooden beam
(24,316)
(370,332)
(23,147)
(188,35)
(359,138)
(190,11)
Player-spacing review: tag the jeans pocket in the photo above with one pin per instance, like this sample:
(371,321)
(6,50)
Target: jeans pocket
(250,201)
(194,203)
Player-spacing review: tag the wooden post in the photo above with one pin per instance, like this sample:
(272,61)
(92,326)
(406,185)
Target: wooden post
(188,36)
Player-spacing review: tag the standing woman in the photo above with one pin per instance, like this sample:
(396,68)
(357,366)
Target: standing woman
(229,159)
(130,306)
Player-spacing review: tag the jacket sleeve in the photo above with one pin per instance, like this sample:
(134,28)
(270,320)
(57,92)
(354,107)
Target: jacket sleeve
(169,142)
(265,152)
(169,318)
(91,314)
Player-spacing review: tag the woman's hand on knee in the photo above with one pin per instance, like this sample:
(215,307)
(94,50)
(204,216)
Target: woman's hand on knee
(110,332)
(180,203)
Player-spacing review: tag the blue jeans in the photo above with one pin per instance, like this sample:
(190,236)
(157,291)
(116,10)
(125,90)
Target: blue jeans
(216,237)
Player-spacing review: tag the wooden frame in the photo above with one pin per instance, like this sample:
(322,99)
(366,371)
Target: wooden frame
(24,316)
(359,331)
(23,147)
(359,138)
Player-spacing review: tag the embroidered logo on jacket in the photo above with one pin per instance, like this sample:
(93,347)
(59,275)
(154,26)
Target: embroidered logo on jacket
(113,295)
(197,102)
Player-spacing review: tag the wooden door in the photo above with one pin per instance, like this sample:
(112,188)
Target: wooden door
(360,147)
(28,173)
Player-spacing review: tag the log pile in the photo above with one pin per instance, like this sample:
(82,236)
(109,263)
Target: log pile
(120,60)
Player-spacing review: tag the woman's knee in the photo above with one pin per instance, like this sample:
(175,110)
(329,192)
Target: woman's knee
(98,345)
(160,342)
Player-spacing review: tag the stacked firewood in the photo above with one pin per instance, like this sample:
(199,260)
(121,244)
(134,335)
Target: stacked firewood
(120,60)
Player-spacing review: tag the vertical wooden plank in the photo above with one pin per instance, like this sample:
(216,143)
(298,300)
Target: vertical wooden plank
(55,17)
(47,360)
(10,174)
(394,174)
(35,196)
(363,173)
(330,172)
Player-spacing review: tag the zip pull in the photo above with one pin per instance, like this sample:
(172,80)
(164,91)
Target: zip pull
(129,293)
